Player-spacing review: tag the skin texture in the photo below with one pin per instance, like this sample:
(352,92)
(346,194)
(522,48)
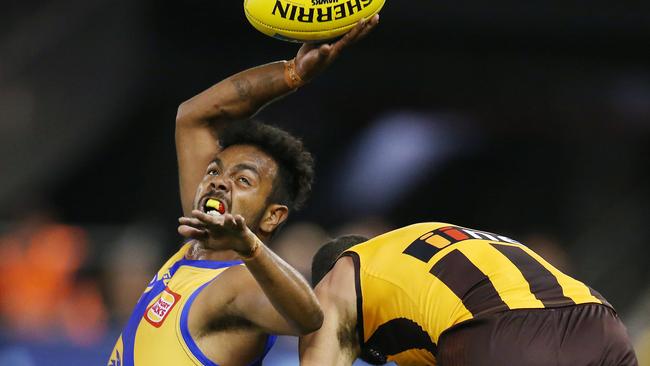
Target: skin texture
(336,343)
(231,317)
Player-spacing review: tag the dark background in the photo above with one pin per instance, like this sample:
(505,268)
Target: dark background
(543,109)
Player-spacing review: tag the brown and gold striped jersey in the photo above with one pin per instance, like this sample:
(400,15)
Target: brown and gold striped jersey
(416,282)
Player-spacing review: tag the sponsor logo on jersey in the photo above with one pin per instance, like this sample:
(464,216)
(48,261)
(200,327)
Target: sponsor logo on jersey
(158,311)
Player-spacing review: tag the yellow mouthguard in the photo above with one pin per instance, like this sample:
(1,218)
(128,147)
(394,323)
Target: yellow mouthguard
(212,203)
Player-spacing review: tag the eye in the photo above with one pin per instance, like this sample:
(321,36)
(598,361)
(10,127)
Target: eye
(244,180)
(213,172)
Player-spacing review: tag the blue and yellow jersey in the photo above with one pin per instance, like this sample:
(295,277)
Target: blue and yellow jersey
(157,331)
(416,282)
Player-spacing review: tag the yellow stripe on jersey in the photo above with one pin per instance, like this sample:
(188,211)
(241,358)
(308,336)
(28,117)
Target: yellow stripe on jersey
(572,288)
(504,275)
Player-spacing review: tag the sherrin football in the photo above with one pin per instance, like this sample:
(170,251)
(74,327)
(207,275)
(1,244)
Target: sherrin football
(308,20)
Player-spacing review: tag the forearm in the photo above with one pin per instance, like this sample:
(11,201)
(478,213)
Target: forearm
(200,119)
(244,94)
(287,290)
(236,98)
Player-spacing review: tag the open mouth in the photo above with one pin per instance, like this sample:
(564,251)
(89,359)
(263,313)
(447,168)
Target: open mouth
(214,207)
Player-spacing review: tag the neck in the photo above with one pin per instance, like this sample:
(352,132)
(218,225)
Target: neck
(198,252)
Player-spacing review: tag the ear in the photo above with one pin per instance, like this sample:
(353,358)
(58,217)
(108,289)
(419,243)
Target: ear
(274,215)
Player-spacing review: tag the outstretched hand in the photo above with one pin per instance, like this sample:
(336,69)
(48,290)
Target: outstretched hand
(218,232)
(313,58)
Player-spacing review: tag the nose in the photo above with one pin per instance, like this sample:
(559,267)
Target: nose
(220,183)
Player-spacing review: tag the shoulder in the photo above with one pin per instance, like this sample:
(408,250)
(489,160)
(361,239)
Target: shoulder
(343,270)
(338,286)
(222,290)
(216,300)
(337,293)
(227,284)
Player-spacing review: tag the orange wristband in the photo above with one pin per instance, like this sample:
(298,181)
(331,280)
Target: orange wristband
(291,77)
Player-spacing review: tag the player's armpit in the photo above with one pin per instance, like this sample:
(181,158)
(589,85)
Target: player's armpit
(336,343)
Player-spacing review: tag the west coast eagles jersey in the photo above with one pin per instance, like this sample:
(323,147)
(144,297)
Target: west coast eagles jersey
(157,331)
(416,282)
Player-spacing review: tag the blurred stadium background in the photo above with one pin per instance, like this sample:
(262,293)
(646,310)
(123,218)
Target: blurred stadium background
(530,119)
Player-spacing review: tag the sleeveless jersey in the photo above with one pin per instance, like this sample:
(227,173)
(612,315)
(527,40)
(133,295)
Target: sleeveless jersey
(157,332)
(416,282)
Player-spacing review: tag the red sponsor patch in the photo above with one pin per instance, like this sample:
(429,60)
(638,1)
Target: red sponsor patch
(158,311)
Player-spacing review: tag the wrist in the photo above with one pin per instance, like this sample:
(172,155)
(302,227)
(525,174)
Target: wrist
(291,76)
(251,251)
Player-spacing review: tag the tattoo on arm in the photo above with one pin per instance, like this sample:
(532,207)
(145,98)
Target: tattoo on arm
(243,87)
(222,113)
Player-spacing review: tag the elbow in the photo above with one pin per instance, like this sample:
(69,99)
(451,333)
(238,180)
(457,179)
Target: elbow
(193,112)
(183,114)
(190,115)
(312,322)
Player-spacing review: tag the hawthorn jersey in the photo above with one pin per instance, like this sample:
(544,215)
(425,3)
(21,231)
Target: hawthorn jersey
(157,332)
(416,282)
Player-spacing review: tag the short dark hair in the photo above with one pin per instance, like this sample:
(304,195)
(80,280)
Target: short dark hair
(329,253)
(295,176)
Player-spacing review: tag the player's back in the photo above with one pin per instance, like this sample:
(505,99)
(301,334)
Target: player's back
(419,282)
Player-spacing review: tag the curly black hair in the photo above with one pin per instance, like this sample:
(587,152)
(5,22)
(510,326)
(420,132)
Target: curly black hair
(295,176)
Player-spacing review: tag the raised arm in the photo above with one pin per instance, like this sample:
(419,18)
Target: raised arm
(336,342)
(200,119)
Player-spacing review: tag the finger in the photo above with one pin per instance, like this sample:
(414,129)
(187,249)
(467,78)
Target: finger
(198,213)
(324,50)
(363,34)
(372,24)
(229,221)
(240,221)
(306,47)
(191,221)
(207,219)
(193,233)
(352,34)
(349,38)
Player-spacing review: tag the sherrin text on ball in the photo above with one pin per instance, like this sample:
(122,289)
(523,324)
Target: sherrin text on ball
(308,20)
